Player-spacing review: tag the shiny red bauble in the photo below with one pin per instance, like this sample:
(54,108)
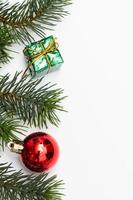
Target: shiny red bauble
(40,152)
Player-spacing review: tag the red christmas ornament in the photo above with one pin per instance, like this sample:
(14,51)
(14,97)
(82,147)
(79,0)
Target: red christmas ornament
(39,151)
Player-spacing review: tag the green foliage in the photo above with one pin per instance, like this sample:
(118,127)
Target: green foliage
(5,43)
(8,128)
(15,185)
(35,15)
(30,102)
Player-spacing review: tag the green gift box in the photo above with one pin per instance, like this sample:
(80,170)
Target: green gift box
(43,56)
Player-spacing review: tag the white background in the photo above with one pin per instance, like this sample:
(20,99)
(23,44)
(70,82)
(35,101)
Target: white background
(96,136)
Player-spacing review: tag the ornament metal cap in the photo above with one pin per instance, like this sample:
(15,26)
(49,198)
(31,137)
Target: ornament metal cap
(15,146)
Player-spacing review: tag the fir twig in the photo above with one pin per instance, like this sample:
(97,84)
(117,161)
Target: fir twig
(16,185)
(5,42)
(36,15)
(9,128)
(30,102)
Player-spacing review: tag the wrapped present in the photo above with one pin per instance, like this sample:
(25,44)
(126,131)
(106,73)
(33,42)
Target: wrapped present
(43,56)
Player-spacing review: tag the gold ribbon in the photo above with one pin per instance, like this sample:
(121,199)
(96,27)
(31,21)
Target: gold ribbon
(50,48)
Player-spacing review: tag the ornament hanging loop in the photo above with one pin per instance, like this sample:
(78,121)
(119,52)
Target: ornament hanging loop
(15,146)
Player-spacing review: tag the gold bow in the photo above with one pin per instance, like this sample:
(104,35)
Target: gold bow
(50,48)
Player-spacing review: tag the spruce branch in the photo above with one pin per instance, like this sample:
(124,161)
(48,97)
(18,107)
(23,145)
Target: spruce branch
(16,185)
(35,15)
(5,42)
(30,102)
(9,128)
